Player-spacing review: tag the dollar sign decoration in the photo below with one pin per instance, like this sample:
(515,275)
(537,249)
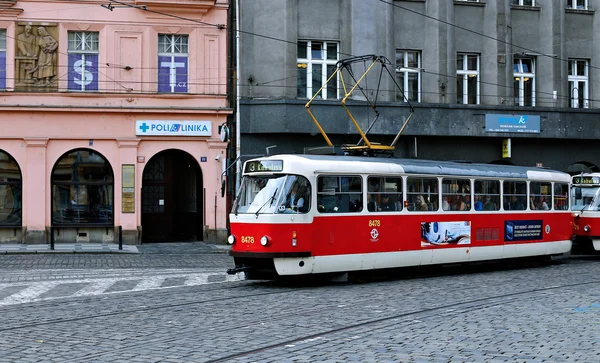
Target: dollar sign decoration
(86,76)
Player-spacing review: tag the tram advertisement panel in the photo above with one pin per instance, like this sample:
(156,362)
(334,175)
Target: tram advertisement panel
(522,230)
(445,233)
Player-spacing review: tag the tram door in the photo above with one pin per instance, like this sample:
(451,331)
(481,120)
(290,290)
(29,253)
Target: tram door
(172,198)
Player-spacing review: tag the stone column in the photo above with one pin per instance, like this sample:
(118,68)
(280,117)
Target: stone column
(124,218)
(36,181)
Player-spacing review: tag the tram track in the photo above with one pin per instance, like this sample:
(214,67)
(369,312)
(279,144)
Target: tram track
(406,317)
(447,309)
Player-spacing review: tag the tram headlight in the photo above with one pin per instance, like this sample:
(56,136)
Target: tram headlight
(587,228)
(264,240)
(231,239)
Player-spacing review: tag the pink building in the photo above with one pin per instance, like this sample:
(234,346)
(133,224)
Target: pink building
(110,118)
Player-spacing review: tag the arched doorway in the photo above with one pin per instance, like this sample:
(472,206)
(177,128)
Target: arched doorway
(82,190)
(582,167)
(172,201)
(10,191)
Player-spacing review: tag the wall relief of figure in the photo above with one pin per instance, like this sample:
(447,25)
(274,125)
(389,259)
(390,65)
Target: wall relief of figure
(36,61)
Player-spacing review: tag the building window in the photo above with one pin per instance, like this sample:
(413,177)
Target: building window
(578,83)
(82,189)
(173,63)
(577,4)
(316,63)
(467,79)
(524,81)
(83,61)
(523,2)
(408,75)
(3,59)
(10,191)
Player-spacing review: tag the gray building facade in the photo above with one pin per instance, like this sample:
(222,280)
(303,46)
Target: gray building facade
(476,73)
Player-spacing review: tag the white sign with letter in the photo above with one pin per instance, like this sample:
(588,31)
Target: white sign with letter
(173,128)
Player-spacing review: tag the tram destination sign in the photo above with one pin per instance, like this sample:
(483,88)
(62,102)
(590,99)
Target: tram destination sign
(255,166)
(586,180)
(512,123)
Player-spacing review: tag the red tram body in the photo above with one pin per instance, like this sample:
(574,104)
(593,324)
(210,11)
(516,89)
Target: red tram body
(585,203)
(362,214)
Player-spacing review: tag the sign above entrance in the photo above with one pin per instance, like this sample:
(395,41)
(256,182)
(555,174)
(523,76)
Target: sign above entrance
(173,128)
(512,123)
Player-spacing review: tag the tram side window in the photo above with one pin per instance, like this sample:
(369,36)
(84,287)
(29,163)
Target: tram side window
(456,194)
(422,194)
(339,194)
(384,194)
(296,197)
(561,196)
(539,195)
(515,195)
(487,195)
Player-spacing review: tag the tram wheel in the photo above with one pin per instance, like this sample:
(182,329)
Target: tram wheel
(360,277)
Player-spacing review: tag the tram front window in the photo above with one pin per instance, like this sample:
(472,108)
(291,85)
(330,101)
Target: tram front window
(588,200)
(273,194)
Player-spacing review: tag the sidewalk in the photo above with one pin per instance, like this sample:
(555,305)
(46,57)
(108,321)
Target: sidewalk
(149,248)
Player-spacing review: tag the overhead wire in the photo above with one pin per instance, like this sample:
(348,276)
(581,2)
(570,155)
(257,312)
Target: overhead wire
(268,82)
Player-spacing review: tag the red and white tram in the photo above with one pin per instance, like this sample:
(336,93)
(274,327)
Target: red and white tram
(315,214)
(585,203)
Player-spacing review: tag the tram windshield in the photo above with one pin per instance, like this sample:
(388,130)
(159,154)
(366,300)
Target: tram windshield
(273,194)
(588,200)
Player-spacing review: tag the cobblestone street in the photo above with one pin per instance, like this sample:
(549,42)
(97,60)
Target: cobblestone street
(180,306)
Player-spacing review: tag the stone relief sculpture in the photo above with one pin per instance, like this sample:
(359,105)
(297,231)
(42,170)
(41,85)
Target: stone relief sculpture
(36,60)
(27,43)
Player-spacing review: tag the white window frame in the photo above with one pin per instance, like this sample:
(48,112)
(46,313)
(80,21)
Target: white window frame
(522,2)
(82,48)
(522,75)
(404,68)
(573,4)
(324,62)
(575,94)
(465,74)
(172,53)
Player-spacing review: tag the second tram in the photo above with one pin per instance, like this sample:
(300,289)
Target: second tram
(585,203)
(314,214)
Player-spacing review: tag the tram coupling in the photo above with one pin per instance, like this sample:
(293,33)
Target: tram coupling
(238,269)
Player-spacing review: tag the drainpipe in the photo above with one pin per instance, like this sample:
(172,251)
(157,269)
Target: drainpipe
(238,149)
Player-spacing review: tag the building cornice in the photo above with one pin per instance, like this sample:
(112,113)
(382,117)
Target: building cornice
(7,10)
(187,6)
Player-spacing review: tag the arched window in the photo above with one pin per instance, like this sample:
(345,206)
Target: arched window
(82,189)
(10,191)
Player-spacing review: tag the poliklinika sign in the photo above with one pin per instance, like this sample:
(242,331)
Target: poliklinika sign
(173,128)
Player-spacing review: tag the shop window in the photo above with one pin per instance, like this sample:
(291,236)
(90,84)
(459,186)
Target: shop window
(82,189)
(10,191)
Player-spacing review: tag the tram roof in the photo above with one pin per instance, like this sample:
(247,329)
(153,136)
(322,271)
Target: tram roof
(345,164)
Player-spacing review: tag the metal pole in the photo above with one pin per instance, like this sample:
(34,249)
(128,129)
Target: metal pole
(52,237)
(120,237)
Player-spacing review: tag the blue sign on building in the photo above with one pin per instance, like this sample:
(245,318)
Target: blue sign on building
(512,123)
